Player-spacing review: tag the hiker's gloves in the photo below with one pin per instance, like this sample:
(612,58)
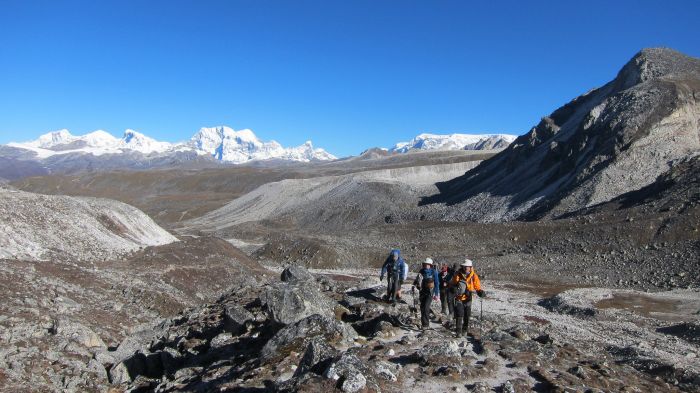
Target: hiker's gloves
(481,293)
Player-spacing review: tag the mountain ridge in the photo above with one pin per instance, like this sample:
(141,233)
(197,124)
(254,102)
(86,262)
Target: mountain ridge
(611,140)
(222,143)
(455,141)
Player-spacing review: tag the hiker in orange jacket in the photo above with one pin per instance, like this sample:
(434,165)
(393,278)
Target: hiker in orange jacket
(464,283)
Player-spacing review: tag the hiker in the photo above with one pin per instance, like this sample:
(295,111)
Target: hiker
(445,277)
(450,290)
(402,277)
(428,284)
(396,271)
(464,283)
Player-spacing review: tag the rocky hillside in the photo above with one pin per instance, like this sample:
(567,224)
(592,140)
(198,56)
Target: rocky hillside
(61,320)
(332,203)
(612,140)
(176,195)
(334,333)
(37,227)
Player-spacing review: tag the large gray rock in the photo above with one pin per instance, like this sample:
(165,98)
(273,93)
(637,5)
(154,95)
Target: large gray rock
(316,357)
(236,317)
(351,373)
(296,274)
(287,303)
(297,336)
(445,353)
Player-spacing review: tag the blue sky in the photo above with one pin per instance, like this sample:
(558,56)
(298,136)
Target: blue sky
(346,74)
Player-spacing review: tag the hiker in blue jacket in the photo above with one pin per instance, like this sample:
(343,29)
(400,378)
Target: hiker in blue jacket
(396,270)
(428,283)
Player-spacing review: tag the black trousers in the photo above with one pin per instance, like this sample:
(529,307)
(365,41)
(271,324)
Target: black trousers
(426,299)
(446,301)
(392,285)
(463,309)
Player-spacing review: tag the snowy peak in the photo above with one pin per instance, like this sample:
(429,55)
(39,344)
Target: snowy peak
(99,138)
(226,144)
(134,140)
(427,141)
(54,138)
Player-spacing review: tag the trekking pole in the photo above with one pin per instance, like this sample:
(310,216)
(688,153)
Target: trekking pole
(481,316)
(415,305)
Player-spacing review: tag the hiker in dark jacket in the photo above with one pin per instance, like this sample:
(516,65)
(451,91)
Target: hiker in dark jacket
(451,271)
(445,277)
(428,282)
(396,271)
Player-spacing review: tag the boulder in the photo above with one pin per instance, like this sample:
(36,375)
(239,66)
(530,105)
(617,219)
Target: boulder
(296,274)
(287,303)
(316,358)
(236,317)
(150,365)
(297,336)
(351,374)
(445,353)
(386,370)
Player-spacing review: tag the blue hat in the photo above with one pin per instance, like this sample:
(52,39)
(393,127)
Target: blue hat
(396,251)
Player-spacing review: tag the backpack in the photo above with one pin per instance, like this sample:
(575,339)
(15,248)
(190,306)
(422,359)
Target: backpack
(461,288)
(428,281)
(396,267)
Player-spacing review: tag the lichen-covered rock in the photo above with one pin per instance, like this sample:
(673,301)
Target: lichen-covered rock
(348,370)
(445,353)
(316,358)
(287,303)
(296,274)
(236,317)
(296,336)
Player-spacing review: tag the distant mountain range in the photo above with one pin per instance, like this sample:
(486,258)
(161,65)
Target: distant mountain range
(455,142)
(62,152)
(222,143)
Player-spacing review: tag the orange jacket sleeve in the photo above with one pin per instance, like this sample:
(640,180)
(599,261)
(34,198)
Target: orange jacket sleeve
(477,282)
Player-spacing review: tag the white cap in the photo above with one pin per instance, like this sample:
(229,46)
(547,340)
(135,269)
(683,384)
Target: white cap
(467,263)
(428,261)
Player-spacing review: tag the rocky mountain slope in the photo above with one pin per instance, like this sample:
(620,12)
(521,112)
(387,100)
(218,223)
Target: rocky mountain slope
(331,203)
(61,320)
(612,140)
(13,169)
(42,227)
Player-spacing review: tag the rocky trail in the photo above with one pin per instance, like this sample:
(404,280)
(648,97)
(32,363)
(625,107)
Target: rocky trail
(331,331)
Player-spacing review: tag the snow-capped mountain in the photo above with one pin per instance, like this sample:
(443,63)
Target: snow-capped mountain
(133,140)
(454,142)
(96,143)
(222,143)
(225,144)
